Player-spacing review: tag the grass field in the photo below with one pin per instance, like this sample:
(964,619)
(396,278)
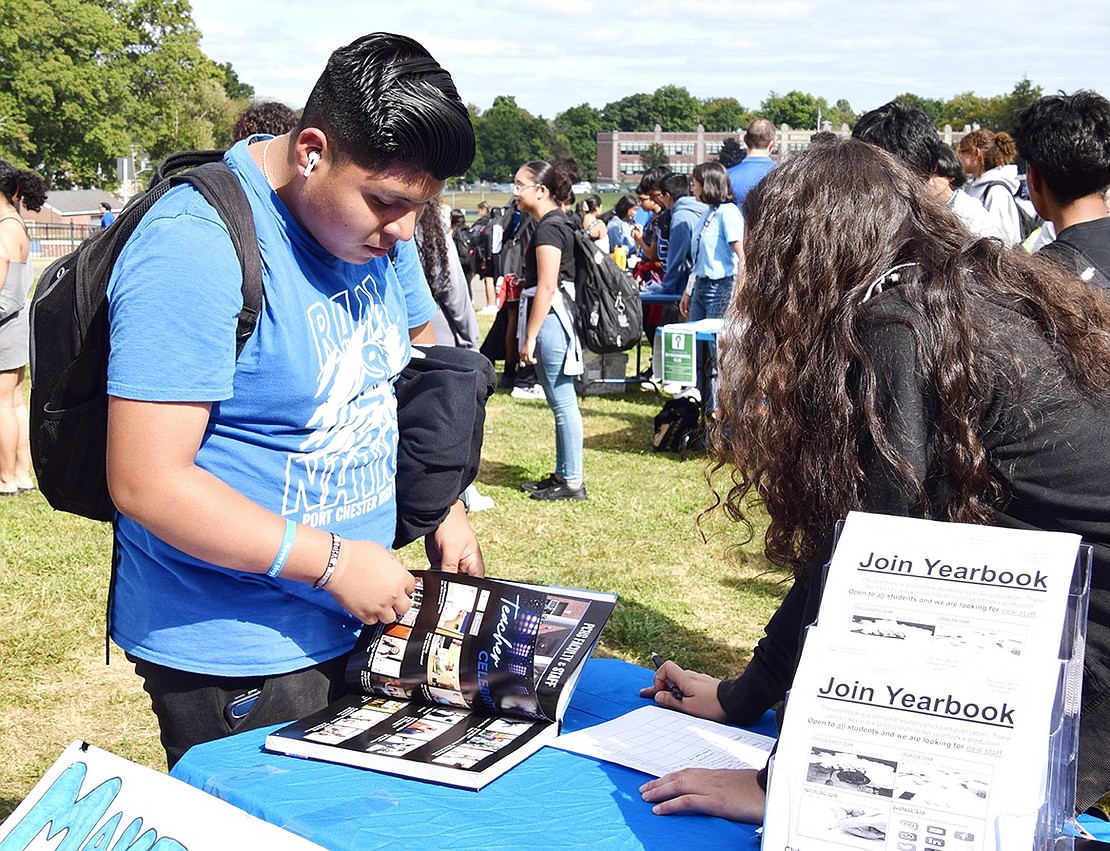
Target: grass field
(700,596)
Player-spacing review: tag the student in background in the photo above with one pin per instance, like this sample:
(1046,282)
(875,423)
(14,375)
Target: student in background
(912,369)
(265,116)
(717,249)
(548,337)
(455,323)
(909,134)
(759,139)
(19,188)
(622,230)
(589,217)
(989,159)
(947,182)
(1065,142)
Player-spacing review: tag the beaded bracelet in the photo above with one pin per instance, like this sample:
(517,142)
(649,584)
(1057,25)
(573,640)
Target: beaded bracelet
(333,560)
(283,550)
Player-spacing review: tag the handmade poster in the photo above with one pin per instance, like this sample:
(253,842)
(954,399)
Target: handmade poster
(92,799)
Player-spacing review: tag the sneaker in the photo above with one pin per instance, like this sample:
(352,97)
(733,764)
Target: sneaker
(561,491)
(475,501)
(534,391)
(550,482)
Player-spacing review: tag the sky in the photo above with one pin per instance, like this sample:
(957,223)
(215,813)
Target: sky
(554,54)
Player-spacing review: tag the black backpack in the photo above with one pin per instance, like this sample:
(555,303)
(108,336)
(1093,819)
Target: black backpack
(607,299)
(1027,222)
(677,425)
(479,243)
(464,246)
(69,334)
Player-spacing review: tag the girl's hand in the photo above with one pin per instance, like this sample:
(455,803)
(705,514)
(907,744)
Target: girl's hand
(528,351)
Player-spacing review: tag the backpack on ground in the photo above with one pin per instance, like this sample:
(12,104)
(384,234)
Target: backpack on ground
(677,425)
(607,299)
(70,339)
(1027,222)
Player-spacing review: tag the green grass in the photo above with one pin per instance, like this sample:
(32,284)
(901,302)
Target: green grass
(702,601)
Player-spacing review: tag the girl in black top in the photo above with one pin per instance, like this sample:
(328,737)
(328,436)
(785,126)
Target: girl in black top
(548,338)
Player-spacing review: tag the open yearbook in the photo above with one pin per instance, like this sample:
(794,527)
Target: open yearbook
(474,678)
(936,701)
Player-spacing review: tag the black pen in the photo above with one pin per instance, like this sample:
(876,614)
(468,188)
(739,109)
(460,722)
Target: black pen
(657,661)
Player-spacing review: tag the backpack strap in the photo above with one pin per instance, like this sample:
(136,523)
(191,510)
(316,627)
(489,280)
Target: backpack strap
(221,188)
(990,184)
(181,161)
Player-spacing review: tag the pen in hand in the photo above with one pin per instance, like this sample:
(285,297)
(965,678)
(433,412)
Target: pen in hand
(657,661)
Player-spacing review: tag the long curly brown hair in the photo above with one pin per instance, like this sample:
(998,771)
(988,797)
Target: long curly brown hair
(431,244)
(797,387)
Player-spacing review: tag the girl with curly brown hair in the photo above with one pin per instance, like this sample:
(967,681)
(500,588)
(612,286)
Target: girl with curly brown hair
(989,159)
(881,358)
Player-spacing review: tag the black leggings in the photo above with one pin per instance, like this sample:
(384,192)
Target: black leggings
(194,708)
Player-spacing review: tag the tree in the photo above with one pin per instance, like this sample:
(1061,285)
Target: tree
(629,114)
(968,109)
(796,109)
(1011,105)
(478,167)
(509,137)
(236,89)
(724,115)
(676,110)
(64,96)
(653,155)
(575,135)
(839,113)
(180,97)
(83,82)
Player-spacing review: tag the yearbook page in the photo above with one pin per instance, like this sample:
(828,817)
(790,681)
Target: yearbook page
(470,681)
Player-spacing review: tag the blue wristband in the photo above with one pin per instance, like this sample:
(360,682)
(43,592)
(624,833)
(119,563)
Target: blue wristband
(283,552)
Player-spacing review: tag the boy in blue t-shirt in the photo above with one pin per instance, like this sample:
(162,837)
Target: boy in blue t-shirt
(256,495)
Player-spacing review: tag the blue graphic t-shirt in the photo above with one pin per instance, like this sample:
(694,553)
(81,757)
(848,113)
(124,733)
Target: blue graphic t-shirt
(303,423)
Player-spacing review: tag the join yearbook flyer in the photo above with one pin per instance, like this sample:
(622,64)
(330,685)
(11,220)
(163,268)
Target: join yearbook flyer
(923,711)
(473,679)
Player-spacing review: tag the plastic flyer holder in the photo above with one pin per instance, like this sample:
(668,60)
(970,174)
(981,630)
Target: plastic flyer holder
(1048,820)
(1058,813)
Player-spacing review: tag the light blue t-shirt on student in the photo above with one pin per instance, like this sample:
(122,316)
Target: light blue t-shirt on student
(714,257)
(303,423)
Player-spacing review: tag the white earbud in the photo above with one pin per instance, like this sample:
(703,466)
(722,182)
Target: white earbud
(313,158)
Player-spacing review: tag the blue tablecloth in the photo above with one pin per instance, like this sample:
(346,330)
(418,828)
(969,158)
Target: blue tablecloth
(553,800)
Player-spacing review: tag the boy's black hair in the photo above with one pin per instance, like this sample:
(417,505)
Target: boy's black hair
(1066,138)
(904,131)
(949,166)
(384,101)
(676,185)
(652,179)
